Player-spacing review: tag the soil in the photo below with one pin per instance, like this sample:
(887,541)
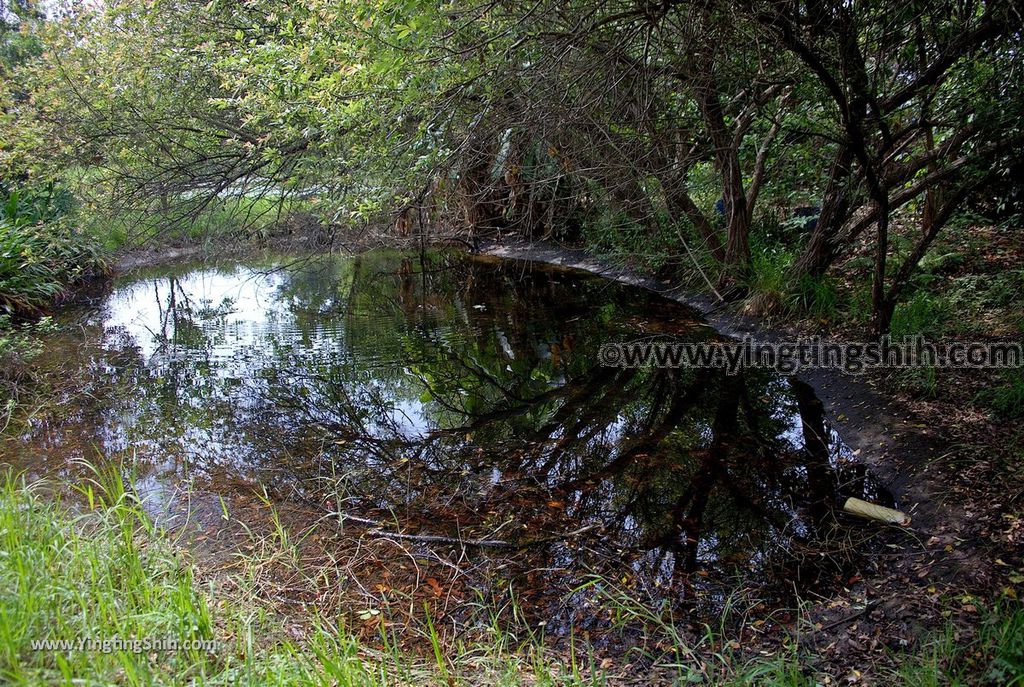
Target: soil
(939,458)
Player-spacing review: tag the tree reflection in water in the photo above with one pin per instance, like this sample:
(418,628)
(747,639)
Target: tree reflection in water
(463,398)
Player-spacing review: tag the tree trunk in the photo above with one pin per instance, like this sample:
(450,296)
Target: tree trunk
(881,307)
(736,266)
(680,203)
(822,245)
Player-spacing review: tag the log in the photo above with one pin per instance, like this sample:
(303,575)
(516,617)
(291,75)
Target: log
(873,511)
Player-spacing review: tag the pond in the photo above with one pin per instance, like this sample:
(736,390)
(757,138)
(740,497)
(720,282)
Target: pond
(454,406)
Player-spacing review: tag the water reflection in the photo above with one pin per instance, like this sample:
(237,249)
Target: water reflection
(462,398)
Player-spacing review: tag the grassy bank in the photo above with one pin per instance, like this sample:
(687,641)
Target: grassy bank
(43,257)
(108,574)
(198,221)
(42,254)
(104,572)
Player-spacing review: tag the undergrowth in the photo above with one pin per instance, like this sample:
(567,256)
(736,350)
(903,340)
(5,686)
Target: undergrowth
(41,254)
(101,570)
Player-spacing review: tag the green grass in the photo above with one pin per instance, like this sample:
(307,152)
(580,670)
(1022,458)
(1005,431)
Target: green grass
(1006,399)
(923,314)
(70,577)
(922,381)
(103,571)
(770,278)
(229,217)
(816,296)
(616,237)
(108,573)
(768,271)
(38,264)
(993,656)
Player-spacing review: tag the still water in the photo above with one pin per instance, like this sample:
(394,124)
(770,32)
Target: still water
(447,398)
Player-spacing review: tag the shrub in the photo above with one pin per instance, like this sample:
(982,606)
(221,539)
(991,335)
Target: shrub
(1006,400)
(768,270)
(816,296)
(40,255)
(923,314)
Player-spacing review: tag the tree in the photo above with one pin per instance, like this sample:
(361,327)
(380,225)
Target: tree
(908,81)
(674,119)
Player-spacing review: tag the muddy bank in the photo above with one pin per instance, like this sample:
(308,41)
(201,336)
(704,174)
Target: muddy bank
(896,446)
(946,548)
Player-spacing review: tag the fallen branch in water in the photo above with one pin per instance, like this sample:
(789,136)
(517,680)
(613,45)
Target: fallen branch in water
(378,528)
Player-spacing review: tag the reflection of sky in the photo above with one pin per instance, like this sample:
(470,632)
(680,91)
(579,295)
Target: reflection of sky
(234,324)
(246,304)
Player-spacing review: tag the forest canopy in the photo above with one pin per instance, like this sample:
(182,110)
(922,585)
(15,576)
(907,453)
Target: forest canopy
(705,128)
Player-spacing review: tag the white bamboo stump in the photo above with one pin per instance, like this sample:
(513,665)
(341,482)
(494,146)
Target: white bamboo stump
(873,511)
